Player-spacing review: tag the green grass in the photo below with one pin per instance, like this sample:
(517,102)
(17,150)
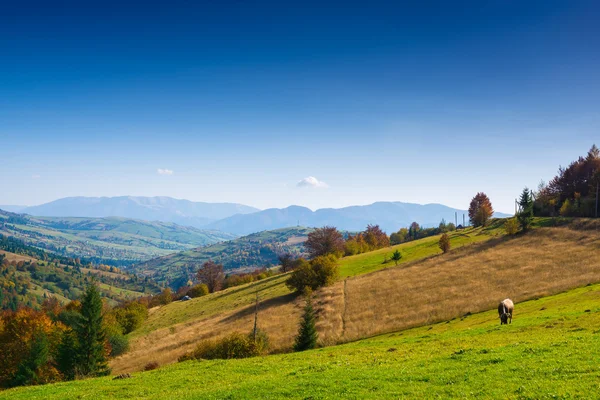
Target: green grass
(415,250)
(550,351)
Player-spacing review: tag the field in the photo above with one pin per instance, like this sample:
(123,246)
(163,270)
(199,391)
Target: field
(467,280)
(550,351)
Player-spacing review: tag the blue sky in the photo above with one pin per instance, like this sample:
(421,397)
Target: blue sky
(242,100)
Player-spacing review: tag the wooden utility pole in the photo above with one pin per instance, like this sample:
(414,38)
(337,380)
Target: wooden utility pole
(597,184)
(455,218)
(255,330)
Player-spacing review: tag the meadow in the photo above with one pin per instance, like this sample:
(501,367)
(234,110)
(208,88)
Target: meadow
(549,351)
(470,279)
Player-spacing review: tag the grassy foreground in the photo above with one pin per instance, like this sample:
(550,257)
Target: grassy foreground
(550,351)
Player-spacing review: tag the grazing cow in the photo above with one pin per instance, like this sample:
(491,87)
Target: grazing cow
(505,311)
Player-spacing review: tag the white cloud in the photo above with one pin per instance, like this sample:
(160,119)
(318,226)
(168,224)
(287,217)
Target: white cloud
(313,182)
(36,176)
(164,171)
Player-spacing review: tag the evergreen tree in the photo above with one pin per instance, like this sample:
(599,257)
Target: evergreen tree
(27,372)
(66,361)
(307,335)
(525,215)
(396,256)
(90,336)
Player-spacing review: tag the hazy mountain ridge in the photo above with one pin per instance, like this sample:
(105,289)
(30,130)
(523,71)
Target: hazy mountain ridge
(390,216)
(166,209)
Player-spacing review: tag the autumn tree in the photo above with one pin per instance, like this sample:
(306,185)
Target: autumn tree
(480,209)
(399,237)
(444,243)
(324,241)
(375,237)
(287,262)
(212,275)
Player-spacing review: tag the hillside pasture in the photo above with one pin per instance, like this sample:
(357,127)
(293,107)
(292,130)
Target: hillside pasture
(549,351)
(467,280)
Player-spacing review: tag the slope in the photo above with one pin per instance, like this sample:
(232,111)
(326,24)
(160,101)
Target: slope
(248,252)
(422,291)
(113,240)
(549,351)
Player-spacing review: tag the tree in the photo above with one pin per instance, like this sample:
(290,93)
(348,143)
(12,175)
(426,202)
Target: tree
(375,237)
(66,361)
(319,272)
(211,274)
(480,209)
(31,365)
(307,334)
(324,241)
(525,214)
(287,262)
(399,237)
(90,336)
(198,291)
(396,256)
(511,226)
(444,243)
(413,231)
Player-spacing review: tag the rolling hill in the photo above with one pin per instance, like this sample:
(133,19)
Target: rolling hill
(118,241)
(165,209)
(390,216)
(373,296)
(449,345)
(245,253)
(29,275)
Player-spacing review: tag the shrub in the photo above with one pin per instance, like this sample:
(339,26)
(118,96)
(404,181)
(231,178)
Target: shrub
(119,344)
(396,256)
(151,366)
(234,345)
(444,243)
(132,316)
(511,226)
(319,272)
(198,291)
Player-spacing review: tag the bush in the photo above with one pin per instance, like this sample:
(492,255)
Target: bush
(234,345)
(444,243)
(119,344)
(322,271)
(198,291)
(511,226)
(151,366)
(132,316)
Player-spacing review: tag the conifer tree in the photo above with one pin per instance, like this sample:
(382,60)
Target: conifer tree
(525,215)
(65,357)
(90,336)
(28,370)
(307,334)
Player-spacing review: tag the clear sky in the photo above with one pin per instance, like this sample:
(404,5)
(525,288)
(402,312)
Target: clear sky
(277,103)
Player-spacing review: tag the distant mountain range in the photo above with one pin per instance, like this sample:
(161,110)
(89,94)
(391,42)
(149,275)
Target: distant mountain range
(240,219)
(165,209)
(390,216)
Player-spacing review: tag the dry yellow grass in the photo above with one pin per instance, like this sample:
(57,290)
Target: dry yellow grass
(16,257)
(471,279)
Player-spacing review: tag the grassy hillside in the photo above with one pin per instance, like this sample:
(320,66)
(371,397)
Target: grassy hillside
(245,253)
(550,351)
(469,279)
(117,241)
